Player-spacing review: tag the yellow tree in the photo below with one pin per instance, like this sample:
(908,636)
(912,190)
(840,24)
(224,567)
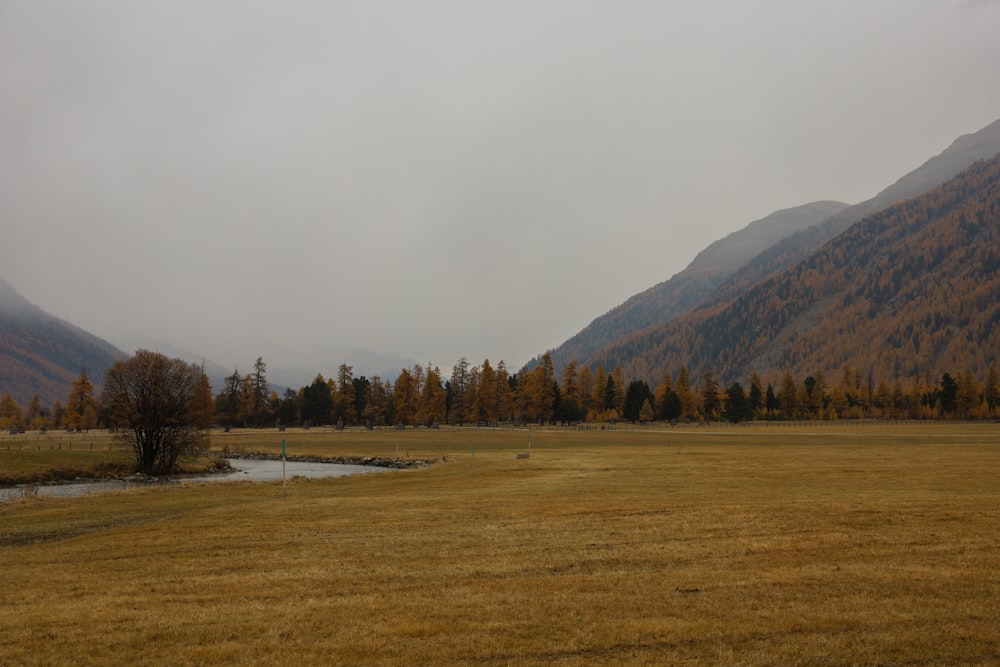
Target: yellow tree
(432,399)
(542,385)
(11,416)
(486,403)
(968,395)
(81,406)
(788,396)
(504,395)
(405,398)
(666,384)
(689,400)
(570,382)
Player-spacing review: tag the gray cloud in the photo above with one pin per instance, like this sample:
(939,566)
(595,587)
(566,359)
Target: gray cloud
(443,178)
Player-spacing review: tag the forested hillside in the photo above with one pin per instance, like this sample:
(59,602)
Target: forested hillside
(734,264)
(696,282)
(964,151)
(909,291)
(41,354)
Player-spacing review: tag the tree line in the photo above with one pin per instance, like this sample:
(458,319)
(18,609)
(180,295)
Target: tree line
(488,394)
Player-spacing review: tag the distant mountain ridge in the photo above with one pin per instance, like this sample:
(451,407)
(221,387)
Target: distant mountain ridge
(910,290)
(962,152)
(709,269)
(702,284)
(42,354)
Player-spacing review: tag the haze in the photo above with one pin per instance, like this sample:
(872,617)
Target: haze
(443,178)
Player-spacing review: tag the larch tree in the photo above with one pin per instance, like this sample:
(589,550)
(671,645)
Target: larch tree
(570,386)
(11,416)
(406,398)
(486,403)
(788,396)
(432,399)
(81,406)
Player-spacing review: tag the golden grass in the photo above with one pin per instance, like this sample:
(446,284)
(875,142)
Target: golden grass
(826,545)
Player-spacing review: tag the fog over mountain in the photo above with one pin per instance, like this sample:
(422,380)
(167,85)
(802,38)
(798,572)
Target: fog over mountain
(446,178)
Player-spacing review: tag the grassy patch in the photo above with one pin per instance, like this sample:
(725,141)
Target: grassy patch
(47,460)
(757,546)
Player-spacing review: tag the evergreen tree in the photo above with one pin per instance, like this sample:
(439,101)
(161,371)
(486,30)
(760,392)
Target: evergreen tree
(947,395)
(343,396)
(637,394)
(460,408)
(317,403)
(261,389)
(669,406)
(737,406)
(771,402)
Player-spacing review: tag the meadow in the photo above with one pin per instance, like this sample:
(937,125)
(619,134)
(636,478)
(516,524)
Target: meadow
(837,544)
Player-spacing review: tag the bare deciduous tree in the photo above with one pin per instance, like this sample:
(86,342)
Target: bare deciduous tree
(162,406)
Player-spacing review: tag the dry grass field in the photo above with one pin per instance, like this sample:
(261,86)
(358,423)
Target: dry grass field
(813,545)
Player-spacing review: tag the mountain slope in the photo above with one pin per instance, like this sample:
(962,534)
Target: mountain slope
(964,151)
(692,285)
(771,254)
(910,290)
(42,354)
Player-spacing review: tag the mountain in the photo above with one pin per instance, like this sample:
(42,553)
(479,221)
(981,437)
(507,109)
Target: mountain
(965,150)
(909,290)
(703,275)
(732,265)
(43,354)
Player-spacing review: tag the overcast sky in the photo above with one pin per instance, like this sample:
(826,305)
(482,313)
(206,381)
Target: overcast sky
(440,178)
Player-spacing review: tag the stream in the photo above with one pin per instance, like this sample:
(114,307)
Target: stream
(244,470)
